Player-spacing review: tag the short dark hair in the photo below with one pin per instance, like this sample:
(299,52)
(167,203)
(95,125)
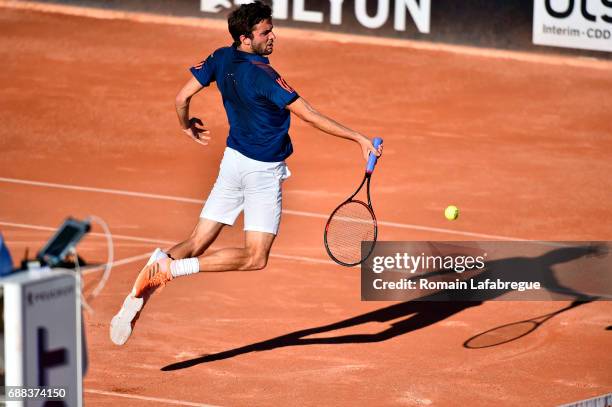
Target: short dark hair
(242,20)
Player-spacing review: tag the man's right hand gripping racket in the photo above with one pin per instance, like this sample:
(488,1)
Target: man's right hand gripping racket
(352,222)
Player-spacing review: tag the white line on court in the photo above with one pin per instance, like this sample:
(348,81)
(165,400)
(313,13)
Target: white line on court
(411,226)
(127,260)
(162,242)
(153,399)
(101,190)
(124,237)
(285,211)
(302,258)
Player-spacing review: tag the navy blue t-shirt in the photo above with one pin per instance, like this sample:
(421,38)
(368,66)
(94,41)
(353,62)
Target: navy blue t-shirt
(254,97)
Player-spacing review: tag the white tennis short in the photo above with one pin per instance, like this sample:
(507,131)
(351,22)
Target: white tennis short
(244,183)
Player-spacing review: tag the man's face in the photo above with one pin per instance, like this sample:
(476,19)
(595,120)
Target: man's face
(262,42)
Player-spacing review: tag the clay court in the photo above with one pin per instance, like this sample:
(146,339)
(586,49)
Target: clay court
(521,145)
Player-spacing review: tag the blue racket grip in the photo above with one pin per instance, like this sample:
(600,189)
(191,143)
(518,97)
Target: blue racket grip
(377,141)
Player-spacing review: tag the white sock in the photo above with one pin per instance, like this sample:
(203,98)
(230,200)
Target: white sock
(184,267)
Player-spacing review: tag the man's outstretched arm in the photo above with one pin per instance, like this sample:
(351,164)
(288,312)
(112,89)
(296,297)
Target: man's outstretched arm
(302,109)
(189,125)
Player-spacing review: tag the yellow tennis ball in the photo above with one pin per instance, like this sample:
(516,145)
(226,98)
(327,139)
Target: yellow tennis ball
(451,212)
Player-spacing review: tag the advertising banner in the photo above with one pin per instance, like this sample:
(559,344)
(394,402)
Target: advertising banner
(584,24)
(576,27)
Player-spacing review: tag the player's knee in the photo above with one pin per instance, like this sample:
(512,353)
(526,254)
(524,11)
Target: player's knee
(257,262)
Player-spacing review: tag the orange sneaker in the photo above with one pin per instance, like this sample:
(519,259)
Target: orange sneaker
(123,322)
(155,275)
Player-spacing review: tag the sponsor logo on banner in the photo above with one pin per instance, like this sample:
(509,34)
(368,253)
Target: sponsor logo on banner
(584,24)
(396,10)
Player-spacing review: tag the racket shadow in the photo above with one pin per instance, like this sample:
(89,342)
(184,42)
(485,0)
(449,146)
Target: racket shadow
(516,330)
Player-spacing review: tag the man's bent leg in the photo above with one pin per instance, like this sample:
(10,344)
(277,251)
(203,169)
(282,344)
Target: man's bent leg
(254,256)
(157,272)
(203,235)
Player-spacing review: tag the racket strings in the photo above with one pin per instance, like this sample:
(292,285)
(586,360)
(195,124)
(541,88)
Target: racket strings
(351,224)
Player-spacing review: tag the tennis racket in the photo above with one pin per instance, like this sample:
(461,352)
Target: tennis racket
(353,222)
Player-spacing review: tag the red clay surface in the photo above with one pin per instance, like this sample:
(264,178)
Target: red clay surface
(523,149)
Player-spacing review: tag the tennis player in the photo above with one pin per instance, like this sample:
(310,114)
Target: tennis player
(258,102)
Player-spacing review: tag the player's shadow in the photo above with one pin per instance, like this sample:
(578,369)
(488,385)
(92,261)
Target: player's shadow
(422,312)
